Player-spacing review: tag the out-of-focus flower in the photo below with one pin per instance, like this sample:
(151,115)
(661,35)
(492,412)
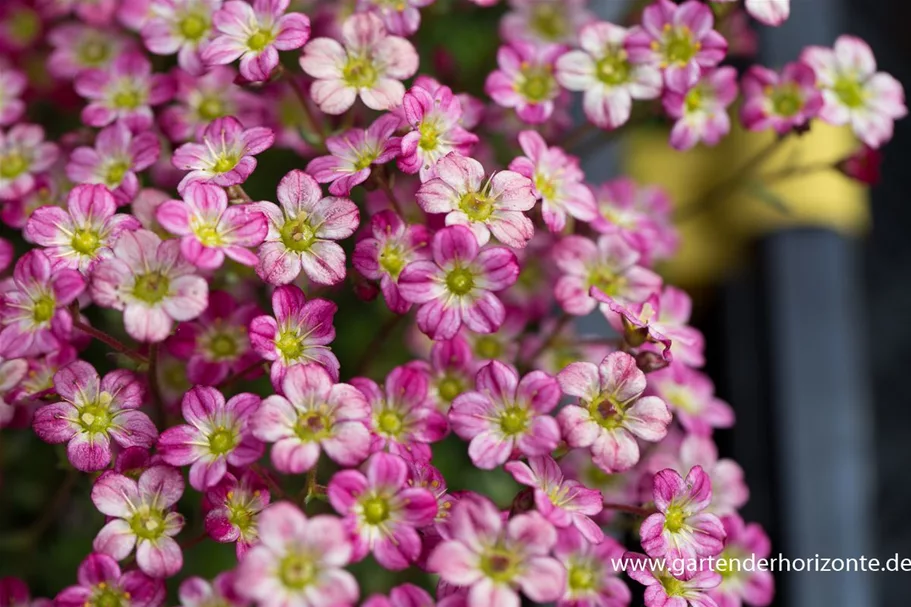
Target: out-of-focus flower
(701,112)
(756,588)
(180,26)
(591,579)
(23,153)
(401,18)
(543,21)
(780,101)
(691,394)
(864,165)
(102,583)
(525,80)
(12,85)
(197,592)
(79,47)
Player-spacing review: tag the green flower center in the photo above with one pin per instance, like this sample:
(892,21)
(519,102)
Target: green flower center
(297,234)
(260,40)
(24,24)
(674,518)
(693,100)
(12,165)
(392,260)
(222,441)
(679,46)
(359,72)
(787,100)
(241,517)
(548,21)
(389,422)
(488,347)
(672,586)
(223,346)
(613,68)
(430,135)
(537,83)
(95,417)
(43,309)
(606,412)
(607,280)
(151,287)
(104,595)
(460,281)
(449,388)
(128,99)
(297,571)
(116,172)
(148,523)
(193,27)
(581,578)
(208,234)
(225,163)
(93,53)
(313,426)
(499,565)
(290,345)
(376,510)
(211,108)
(850,92)
(477,206)
(546,186)
(514,420)
(85,241)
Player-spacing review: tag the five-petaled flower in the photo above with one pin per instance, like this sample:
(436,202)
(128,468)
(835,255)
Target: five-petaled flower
(103,584)
(226,155)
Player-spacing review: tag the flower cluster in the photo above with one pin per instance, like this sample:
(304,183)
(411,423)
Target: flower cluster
(178,308)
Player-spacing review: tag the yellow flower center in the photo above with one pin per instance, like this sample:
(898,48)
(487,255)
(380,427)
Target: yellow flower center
(359,72)
(460,281)
(376,510)
(85,241)
(43,309)
(151,287)
(12,165)
(193,26)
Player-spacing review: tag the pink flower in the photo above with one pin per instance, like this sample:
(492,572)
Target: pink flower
(11,373)
(664,589)
(371,65)
(680,529)
(603,71)
(434,117)
(234,506)
(125,90)
(83,234)
(770,12)
(642,215)
(863,165)
(563,502)
(525,79)
(756,588)
(450,371)
(141,516)
(78,47)
(384,251)
(180,26)
(701,112)
(313,413)
(217,343)
(23,153)
(255,34)
(780,101)
(298,561)
(300,332)
(33,313)
(404,420)
(691,394)
(382,510)
(12,85)
(197,592)
(92,411)
(352,153)
(495,559)
(608,264)
(679,39)
(457,287)
(302,233)
(149,281)
(543,21)
(225,156)
(504,415)
(102,583)
(400,18)
(209,229)
(218,434)
(591,579)
(114,161)
(854,92)
(493,205)
(611,413)
(558,181)
(405,595)
(15,593)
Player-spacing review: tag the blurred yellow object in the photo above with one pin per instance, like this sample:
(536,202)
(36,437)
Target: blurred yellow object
(716,231)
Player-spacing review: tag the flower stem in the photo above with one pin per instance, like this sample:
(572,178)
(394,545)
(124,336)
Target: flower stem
(265,477)
(109,340)
(316,127)
(384,184)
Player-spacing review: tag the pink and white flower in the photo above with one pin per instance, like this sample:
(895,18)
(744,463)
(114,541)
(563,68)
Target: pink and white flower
(300,332)
(302,232)
(450,370)
(854,92)
(125,90)
(457,286)
(114,161)
(149,281)
(371,64)
(404,420)
(663,588)
(255,34)
(197,592)
(142,516)
(92,411)
(218,434)
(382,511)
(701,112)
(33,313)
(642,215)
(400,18)
(352,153)
(565,503)
(525,79)
(434,115)
(12,85)
(602,69)
(405,595)
(101,583)
(770,12)
(543,21)
(591,578)
(609,265)
(496,559)
(611,412)
(313,414)
(83,234)
(743,541)
(226,155)
(78,47)
(298,561)
(385,249)
(23,154)
(680,529)
(691,395)
(180,26)
(678,39)
(494,205)
(233,507)
(780,101)
(558,181)
(209,229)
(11,373)
(504,416)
